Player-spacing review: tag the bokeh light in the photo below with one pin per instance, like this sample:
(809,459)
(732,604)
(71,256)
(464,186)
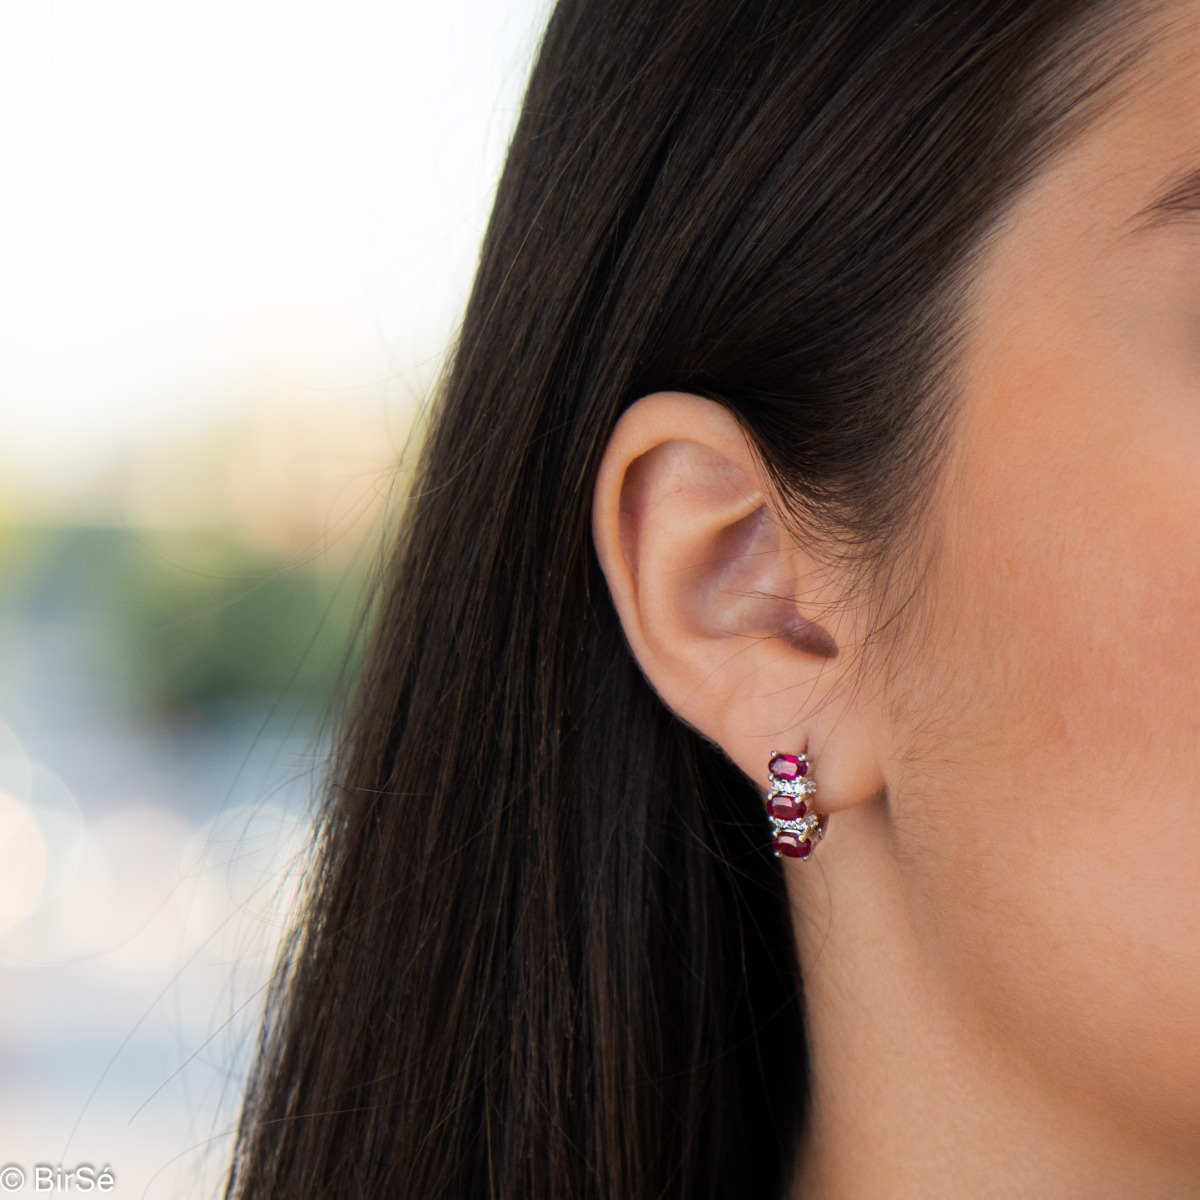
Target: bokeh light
(237,240)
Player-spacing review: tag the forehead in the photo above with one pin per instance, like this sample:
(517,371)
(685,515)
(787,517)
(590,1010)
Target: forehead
(1086,299)
(1109,217)
(1115,208)
(1137,169)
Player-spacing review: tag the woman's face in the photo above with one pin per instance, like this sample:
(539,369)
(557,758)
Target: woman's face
(1049,812)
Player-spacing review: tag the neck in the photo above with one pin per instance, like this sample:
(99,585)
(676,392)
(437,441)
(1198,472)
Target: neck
(915,1092)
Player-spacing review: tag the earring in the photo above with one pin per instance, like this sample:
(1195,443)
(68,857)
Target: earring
(794,826)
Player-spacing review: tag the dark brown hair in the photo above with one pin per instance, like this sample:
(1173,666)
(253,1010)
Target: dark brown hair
(545,952)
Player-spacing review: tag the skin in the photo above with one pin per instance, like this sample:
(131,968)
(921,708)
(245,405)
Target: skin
(1000,935)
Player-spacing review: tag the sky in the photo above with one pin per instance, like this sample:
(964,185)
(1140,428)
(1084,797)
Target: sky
(203,198)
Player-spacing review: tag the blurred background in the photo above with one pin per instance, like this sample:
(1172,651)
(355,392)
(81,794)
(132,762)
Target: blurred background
(236,239)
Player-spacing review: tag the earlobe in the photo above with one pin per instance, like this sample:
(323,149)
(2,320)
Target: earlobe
(718,604)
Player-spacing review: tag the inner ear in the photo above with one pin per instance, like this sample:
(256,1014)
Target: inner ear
(748,548)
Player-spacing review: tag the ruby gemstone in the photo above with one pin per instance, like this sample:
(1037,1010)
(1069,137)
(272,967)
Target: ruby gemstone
(787,766)
(790,845)
(785,808)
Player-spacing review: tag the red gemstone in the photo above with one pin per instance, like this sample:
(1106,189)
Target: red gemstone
(787,766)
(785,808)
(790,845)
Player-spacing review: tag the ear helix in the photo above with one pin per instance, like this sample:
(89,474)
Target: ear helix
(795,827)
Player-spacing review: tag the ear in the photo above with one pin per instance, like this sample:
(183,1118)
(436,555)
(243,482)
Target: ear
(726,615)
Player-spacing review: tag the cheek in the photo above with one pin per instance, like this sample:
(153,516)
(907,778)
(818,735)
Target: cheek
(1059,784)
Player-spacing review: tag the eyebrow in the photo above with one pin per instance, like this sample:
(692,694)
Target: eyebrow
(1179,202)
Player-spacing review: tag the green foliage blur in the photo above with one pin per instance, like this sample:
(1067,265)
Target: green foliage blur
(187,623)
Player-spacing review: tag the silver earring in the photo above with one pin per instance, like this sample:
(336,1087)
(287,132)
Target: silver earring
(795,827)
